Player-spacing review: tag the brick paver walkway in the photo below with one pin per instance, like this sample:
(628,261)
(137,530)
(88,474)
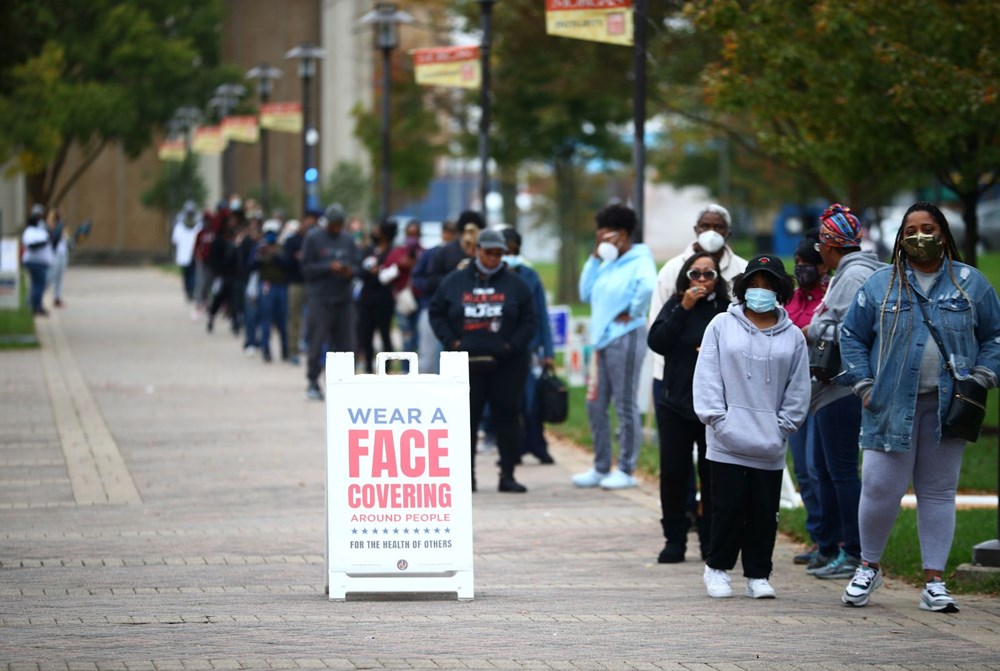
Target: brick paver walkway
(161,508)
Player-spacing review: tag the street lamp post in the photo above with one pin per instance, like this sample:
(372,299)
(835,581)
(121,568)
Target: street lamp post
(639,117)
(264,75)
(224,102)
(186,118)
(308,54)
(484,100)
(384,18)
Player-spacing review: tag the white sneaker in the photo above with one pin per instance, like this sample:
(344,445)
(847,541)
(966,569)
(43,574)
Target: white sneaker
(618,480)
(866,580)
(936,597)
(589,479)
(717,583)
(249,351)
(759,588)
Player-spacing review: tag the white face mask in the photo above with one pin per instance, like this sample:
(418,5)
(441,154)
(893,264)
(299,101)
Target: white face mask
(711,241)
(607,251)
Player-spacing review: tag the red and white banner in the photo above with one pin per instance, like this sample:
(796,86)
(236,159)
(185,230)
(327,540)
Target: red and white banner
(281,117)
(242,128)
(608,21)
(208,140)
(171,150)
(448,66)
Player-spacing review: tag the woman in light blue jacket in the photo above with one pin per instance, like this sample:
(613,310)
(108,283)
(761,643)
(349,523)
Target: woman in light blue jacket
(617,281)
(905,385)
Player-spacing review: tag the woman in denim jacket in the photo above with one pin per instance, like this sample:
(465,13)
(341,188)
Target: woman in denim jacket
(891,359)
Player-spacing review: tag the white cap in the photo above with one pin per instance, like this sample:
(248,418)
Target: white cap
(271,226)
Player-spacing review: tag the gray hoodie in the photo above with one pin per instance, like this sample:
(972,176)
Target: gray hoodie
(751,388)
(853,271)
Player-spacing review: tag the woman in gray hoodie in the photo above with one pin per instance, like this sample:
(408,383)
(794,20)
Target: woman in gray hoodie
(751,389)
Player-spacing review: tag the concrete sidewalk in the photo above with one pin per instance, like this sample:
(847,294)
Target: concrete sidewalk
(162,504)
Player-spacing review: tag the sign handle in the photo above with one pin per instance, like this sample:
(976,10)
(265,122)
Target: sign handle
(383,358)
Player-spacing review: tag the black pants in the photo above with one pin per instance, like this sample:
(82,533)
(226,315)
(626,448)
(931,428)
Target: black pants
(744,518)
(677,435)
(331,329)
(374,317)
(502,387)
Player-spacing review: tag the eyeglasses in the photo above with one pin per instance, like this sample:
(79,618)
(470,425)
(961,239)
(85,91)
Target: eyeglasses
(707,275)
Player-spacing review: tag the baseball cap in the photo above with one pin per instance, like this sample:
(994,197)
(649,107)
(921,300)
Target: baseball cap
(491,239)
(768,263)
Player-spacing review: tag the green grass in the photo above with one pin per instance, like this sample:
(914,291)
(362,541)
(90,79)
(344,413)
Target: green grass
(17,327)
(902,553)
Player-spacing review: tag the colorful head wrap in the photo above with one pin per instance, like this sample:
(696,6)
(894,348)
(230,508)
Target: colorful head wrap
(839,228)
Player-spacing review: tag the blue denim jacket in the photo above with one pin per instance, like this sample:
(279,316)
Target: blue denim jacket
(969,327)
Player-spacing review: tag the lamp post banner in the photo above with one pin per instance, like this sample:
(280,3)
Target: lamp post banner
(209,140)
(281,117)
(171,150)
(241,128)
(399,490)
(448,66)
(593,20)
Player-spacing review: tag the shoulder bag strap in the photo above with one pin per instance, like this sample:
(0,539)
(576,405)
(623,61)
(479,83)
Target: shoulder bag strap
(944,353)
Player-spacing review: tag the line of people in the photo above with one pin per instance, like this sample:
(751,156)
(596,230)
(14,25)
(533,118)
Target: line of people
(732,384)
(474,292)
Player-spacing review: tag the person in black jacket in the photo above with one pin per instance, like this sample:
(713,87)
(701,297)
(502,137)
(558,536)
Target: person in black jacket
(488,311)
(700,295)
(449,255)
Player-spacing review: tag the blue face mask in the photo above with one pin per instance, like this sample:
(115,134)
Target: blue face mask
(761,300)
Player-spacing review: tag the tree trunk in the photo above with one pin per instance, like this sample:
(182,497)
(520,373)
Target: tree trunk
(508,189)
(568,225)
(970,201)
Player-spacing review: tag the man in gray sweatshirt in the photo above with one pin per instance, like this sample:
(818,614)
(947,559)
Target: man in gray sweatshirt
(330,261)
(836,409)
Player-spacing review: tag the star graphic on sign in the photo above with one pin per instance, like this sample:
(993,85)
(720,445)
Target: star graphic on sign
(375,531)
(427,531)
(437,530)
(385,532)
(447,530)
(354,531)
(406,530)
(395,531)
(364,532)
(416,530)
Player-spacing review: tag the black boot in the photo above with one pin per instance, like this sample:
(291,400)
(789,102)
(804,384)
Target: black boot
(675,528)
(704,534)
(510,485)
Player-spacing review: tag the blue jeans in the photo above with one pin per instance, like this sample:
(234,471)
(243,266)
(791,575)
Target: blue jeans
(803,446)
(38,273)
(839,484)
(272,303)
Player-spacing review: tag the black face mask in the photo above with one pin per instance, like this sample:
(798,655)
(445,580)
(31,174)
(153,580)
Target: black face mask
(806,275)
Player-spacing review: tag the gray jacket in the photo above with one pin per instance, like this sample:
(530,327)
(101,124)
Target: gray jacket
(853,272)
(751,388)
(319,250)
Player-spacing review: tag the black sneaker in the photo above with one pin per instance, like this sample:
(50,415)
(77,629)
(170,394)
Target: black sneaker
(314,393)
(818,561)
(511,486)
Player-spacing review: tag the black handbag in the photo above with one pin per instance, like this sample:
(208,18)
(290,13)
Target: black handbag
(824,358)
(967,408)
(553,398)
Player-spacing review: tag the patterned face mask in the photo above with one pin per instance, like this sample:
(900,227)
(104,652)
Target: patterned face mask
(922,247)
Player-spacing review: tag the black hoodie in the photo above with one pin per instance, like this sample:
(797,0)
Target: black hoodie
(489,315)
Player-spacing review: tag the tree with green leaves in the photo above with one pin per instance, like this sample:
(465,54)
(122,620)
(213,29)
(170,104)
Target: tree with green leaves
(86,74)
(414,135)
(863,97)
(348,185)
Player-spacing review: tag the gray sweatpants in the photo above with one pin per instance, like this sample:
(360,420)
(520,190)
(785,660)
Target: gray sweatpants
(934,470)
(618,367)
